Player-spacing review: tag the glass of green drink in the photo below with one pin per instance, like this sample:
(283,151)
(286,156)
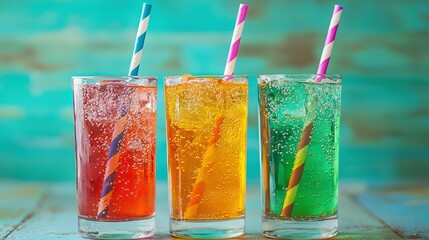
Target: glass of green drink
(299,123)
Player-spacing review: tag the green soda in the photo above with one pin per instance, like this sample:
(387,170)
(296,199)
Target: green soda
(284,110)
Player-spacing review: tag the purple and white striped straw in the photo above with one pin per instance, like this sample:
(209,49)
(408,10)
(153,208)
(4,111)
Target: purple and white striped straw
(329,43)
(235,42)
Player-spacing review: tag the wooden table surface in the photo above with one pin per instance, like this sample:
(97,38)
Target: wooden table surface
(382,211)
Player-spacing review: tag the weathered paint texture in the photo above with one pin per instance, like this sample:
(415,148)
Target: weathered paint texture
(382,51)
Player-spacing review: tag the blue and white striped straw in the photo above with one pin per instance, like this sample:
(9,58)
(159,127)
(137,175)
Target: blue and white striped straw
(141,34)
(119,129)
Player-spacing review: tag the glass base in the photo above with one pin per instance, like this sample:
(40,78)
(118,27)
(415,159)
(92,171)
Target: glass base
(296,229)
(207,229)
(135,229)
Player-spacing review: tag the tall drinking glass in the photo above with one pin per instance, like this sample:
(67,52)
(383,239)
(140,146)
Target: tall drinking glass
(299,124)
(206,134)
(115,155)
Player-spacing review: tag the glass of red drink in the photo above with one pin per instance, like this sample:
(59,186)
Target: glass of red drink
(115,126)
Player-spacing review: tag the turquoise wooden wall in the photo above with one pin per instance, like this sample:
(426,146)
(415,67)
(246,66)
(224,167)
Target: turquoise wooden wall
(382,49)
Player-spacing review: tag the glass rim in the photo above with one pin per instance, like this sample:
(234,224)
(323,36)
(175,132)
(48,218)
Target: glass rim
(139,80)
(208,75)
(113,76)
(300,78)
(235,78)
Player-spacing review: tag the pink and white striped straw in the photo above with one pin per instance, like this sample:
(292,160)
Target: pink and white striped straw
(305,140)
(235,42)
(329,43)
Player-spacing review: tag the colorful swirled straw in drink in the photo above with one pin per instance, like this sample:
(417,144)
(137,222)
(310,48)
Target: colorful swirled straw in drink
(118,132)
(302,151)
(208,159)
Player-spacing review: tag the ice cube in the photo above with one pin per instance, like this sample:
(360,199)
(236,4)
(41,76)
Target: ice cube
(288,104)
